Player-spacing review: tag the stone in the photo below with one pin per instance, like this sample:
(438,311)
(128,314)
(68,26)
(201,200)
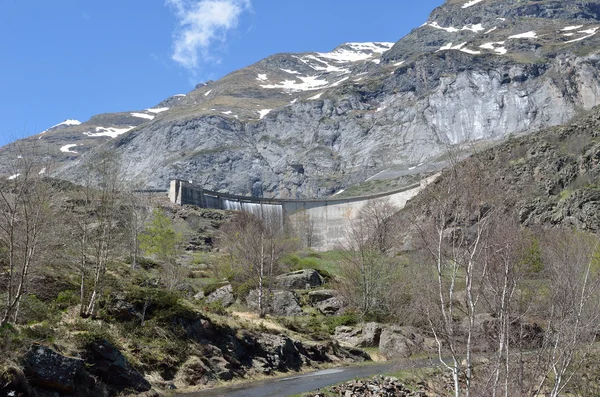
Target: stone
(108,363)
(279,303)
(285,303)
(223,295)
(320,295)
(331,306)
(400,342)
(51,370)
(364,335)
(122,310)
(301,279)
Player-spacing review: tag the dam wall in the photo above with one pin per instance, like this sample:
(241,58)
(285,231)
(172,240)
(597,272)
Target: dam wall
(324,223)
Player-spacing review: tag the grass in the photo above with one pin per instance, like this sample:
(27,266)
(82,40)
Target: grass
(327,263)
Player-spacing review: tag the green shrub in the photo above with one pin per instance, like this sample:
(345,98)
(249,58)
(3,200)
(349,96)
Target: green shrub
(66,299)
(41,332)
(242,290)
(35,310)
(215,307)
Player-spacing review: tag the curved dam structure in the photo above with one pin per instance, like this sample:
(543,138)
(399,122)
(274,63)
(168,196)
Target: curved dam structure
(324,223)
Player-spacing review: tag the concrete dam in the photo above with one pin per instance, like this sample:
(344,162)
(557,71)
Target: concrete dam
(328,219)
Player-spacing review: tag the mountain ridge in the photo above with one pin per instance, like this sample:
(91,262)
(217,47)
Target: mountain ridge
(308,125)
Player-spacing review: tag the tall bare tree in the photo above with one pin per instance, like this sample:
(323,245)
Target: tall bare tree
(99,228)
(25,213)
(258,243)
(367,272)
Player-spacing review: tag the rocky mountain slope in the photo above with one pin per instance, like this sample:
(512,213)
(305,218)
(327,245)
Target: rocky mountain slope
(307,125)
(549,178)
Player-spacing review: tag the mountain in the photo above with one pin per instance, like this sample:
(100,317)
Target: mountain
(308,125)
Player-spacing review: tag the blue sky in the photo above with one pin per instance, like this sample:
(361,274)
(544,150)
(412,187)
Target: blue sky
(71,59)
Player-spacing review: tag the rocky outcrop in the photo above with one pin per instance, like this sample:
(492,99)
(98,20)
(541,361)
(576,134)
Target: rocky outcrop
(50,370)
(52,373)
(331,306)
(317,296)
(400,342)
(364,335)
(224,295)
(278,303)
(301,279)
(107,363)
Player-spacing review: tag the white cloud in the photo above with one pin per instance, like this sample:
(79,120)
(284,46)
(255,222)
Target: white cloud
(202,23)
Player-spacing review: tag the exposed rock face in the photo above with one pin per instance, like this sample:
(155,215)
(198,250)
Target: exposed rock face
(400,342)
(388,107)
(223,295)
(279,303)
(320,295)
(301,279)
(548,178)
(109,364)
(50,370)
(365,335)
(331,306)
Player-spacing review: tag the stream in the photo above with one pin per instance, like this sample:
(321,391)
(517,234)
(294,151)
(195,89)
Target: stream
(283,387)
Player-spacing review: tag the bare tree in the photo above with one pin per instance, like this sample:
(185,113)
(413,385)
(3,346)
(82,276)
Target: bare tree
(98,229)
(456,235)
(367,272)
(25,212)
(258,243)
(305,228)
(572,267)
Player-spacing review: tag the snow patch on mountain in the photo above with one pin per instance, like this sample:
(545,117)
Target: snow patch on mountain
(307,83)
(67,148)
(157,110)
(290,71)
(497,46)
(108,131)
(471,3)
(526,35)
(568,28)
(589,33)
(143,116)
(264,112)
(65,123)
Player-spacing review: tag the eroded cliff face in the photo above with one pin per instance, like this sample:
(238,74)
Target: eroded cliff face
(307,125)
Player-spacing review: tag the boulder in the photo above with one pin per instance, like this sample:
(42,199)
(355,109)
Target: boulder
(108,363)
(48,369)
(400,342)
(301,279)
(122,310)
(364,335)
(285,303)
(320,295)
(223,295)
(331,306)
(279,303)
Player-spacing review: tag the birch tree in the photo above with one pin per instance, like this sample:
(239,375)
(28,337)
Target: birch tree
(367,272)
(25,213)
(99,229)
(257,244)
